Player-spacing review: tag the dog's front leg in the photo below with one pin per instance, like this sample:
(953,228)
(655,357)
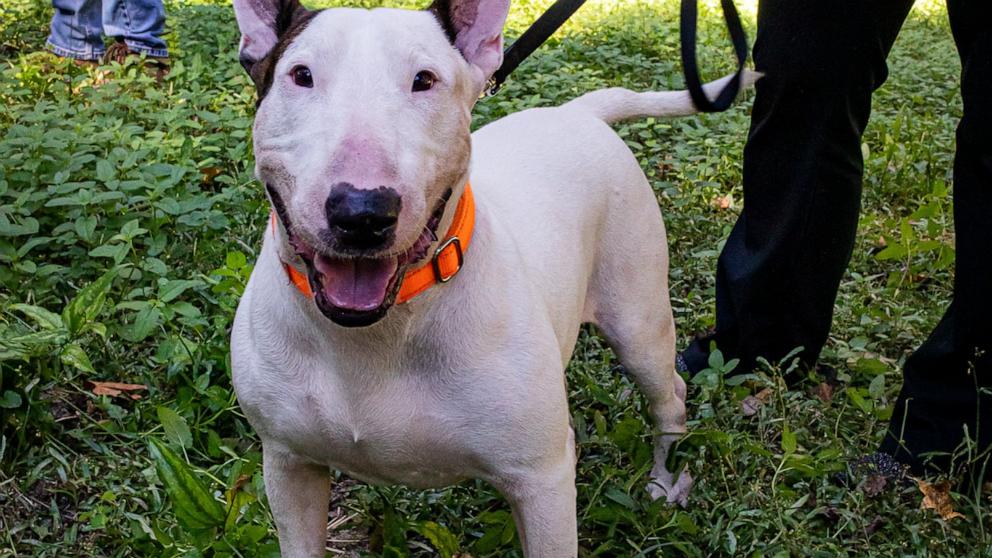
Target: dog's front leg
(298,493)
(543,506)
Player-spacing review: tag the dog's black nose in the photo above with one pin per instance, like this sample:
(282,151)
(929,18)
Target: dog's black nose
(362,219)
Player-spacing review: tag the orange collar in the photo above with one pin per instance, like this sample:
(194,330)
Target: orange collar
(444,264)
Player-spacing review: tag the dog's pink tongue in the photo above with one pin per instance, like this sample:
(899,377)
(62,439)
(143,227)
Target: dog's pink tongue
(355,284)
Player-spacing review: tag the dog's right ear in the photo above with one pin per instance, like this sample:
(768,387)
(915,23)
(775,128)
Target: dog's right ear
(263,23)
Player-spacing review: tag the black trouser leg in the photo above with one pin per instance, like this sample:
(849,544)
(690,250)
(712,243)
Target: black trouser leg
(778,274)
(943,380)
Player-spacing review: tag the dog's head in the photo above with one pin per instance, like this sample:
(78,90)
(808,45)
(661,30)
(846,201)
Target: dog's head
(362,133)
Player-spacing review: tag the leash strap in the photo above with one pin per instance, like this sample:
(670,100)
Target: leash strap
(689,66)
(533,37)
(559,12)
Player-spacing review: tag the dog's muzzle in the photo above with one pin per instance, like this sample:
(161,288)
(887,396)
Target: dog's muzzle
(357,290)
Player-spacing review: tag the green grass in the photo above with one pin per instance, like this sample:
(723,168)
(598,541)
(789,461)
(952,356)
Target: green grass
(154,183)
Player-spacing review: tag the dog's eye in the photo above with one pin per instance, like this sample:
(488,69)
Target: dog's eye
(423,81)
(302,77)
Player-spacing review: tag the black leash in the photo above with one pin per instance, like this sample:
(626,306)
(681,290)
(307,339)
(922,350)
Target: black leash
(561,10)
(533,37)
(691,70)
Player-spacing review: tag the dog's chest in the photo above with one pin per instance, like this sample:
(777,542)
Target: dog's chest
(392,433)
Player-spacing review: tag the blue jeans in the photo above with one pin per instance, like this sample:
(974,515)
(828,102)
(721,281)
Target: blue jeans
(78,26)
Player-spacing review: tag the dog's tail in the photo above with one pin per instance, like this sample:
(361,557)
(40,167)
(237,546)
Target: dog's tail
(617,104)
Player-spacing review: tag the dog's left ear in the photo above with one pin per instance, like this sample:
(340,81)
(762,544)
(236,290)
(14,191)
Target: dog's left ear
(475,27)
(263,23)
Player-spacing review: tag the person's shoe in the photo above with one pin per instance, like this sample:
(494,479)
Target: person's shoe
(119,52)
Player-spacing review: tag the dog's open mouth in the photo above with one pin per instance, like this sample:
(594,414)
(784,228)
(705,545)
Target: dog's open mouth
(355,290)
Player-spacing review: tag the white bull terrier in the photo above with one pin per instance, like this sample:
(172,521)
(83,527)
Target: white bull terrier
(347,350)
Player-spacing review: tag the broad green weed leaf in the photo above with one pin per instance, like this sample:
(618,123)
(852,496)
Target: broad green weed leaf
(10,400)
(686,523)
(31,243)
(854,394)
(86,227)
(439,536)
(789,443)
(114,251)
(104,170)
(394,535)
(154,265)
(621,498)
(731,543)
(185,309)
(28,225)
(131,230)
(871,366)
(145,323)
(235,260)
(44,318)
(499,532)
(176,429)
(74,355)
(95,327)
(192,503)
(715,360)
(892,252)
(15,347)
(175,287)
(876,389)
(88,302)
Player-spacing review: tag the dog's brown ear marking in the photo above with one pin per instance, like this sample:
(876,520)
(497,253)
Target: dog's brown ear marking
(441,10)
(267,28)
(475,27)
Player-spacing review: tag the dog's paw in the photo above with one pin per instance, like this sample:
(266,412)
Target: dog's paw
(664,484)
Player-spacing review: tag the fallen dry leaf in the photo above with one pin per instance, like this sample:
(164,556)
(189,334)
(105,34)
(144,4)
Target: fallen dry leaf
(210,173)
(116,389)
(751,403)
(750,406)
(238,484)
(824,392)
(937,497)
(724,202)
(665,168)
(874,485)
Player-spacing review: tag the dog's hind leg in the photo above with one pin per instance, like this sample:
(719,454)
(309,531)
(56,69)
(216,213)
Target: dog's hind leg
(629,301)
(639,326)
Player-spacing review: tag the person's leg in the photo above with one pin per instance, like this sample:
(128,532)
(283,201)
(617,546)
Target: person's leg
(944,379)
(778,274)
(75,29)
(139,24)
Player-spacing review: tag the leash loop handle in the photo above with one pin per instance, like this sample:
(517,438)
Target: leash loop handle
(690,67)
